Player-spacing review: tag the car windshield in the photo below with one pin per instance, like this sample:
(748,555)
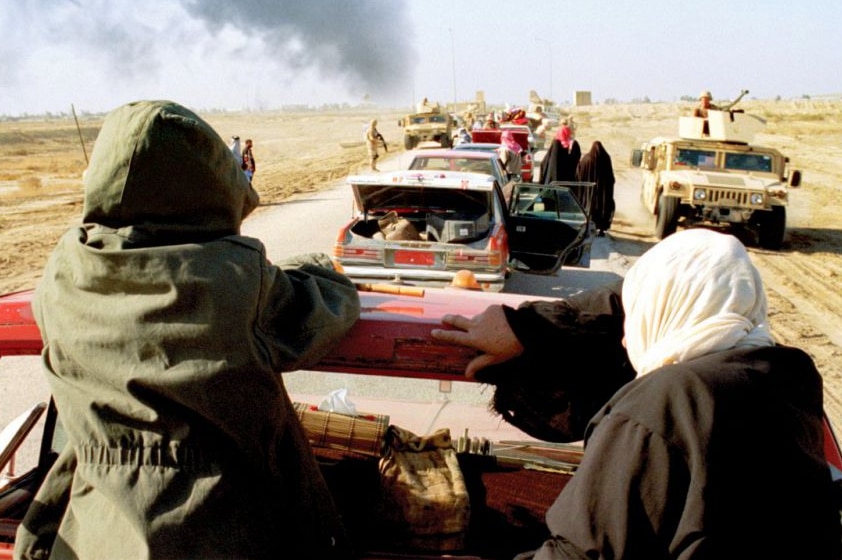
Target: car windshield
(471,165)
(695,158)
(477,147)
(421,119)
(386,197)
(748,162)
(550,203)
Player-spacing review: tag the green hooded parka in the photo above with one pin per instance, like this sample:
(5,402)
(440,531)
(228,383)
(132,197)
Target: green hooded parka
(165,334)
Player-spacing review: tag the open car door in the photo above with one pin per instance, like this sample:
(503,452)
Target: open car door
(11,438)
(548,226)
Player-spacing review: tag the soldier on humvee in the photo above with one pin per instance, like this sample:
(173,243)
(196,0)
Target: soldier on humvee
(705,105)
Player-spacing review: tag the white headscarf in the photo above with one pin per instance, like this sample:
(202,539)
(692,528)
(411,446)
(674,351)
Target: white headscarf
(694,293)
(234,146)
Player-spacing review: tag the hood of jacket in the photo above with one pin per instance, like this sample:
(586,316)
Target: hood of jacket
(159,174)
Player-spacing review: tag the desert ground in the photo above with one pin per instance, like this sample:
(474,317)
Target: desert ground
(42,160)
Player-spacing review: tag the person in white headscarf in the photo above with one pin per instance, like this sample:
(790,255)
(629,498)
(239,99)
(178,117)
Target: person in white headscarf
(235,148)
(691,296)
(715,450)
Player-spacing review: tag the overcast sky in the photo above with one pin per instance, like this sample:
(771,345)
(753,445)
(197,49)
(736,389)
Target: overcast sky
(262,54)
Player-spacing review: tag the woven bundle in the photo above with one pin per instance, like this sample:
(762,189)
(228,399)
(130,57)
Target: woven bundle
(364,433)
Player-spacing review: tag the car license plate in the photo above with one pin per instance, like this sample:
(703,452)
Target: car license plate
(415,258)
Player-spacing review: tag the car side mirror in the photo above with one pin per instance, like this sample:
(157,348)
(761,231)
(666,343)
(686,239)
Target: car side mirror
(795,178)
(636,157)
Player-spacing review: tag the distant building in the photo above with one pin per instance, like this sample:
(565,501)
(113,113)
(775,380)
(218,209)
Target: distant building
(581,98)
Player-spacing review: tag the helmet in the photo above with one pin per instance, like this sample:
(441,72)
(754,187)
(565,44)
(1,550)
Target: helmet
(705,94)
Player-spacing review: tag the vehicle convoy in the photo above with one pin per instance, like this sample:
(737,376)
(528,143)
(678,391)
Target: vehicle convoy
(712,174)
(430,123)
(510,484)
(424,225)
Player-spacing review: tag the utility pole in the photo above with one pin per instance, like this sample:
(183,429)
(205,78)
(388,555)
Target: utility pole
(453,59)
(550,60)
(79,130)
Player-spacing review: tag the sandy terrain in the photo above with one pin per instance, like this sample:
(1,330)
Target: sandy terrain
(41,163)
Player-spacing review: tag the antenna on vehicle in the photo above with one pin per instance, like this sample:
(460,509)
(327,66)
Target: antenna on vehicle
(79,130)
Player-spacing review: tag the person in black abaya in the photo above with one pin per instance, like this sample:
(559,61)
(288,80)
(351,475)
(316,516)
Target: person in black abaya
(562,158)
(551,164)
(595,167)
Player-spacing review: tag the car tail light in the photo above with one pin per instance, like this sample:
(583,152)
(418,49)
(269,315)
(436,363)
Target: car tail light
(474,259)
(494,255)
(498,248)
(350,253)
(499,242)
(343,249)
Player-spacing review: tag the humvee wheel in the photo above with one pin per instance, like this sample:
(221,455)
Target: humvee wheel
(409,142)
(771,227)
(667,221)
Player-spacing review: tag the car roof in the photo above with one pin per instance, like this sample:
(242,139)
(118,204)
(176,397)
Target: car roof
(433,178)
(476,146)
(451,153)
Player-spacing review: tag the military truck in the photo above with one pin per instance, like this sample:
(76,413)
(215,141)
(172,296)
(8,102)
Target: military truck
(712,174)
(430,123)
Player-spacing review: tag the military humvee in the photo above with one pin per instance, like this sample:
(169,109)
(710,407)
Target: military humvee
(712,174)
(429,123)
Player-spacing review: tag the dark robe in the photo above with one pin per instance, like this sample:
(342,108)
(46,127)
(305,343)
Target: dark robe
(559,164)
(717,457)
(595,167)
(568,169)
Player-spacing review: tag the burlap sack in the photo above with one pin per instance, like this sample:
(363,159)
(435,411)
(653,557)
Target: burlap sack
(425,499)
(393,227)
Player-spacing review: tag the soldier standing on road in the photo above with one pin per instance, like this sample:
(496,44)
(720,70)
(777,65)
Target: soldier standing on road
(373,138)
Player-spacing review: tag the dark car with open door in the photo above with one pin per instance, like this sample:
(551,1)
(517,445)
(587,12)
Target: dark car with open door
(548,226)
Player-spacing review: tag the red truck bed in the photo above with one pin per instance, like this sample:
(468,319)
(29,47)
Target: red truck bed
(508,500)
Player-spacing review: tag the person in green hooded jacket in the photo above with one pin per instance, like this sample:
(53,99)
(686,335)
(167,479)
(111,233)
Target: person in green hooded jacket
(165,334)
